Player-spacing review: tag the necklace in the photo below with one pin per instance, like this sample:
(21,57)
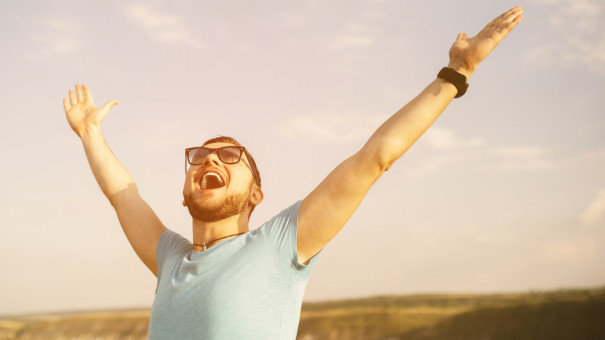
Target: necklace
(205,243)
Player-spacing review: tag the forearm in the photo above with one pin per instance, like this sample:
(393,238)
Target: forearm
(400,132)
(110,174)
(395,136)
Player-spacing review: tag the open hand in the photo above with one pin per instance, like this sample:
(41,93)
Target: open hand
(83,114)
(466,53)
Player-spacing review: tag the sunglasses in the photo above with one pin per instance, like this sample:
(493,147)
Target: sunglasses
(227,154)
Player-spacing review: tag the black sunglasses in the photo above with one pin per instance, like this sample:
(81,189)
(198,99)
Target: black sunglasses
(227,154)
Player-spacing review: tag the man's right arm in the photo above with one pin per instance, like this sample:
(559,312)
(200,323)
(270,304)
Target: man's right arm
(140,224)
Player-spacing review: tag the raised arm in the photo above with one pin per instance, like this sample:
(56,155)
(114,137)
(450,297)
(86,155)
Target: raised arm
(327,208)
(140,224)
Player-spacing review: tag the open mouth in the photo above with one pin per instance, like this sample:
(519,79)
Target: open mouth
(211,180)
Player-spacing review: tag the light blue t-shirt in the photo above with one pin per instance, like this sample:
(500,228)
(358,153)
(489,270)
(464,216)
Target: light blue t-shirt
(247,287)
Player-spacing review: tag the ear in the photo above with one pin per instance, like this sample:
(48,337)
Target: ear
(256,196)
(184,203)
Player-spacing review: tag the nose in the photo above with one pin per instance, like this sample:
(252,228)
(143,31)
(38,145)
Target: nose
(212,159)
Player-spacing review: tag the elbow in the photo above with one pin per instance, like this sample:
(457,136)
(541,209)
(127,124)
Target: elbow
(387,165)
(384,162)
(383,153)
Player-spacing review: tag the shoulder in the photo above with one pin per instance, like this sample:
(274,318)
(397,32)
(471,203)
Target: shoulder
(172,244)
(281,233)
(282,222)
(174,237)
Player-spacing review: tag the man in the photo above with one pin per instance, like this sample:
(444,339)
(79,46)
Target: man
(233,283)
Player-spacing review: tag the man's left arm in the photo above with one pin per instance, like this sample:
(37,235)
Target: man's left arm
(326,209)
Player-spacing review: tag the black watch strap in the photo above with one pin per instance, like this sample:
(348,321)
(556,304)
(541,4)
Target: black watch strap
(457,79)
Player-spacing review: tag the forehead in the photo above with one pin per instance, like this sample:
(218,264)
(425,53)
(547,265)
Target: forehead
(218,145)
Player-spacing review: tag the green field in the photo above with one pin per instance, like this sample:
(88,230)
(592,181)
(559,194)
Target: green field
(563,314)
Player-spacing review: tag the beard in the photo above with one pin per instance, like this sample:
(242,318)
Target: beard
(217,210)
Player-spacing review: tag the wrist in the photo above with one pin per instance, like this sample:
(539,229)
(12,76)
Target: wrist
(457,79)
(459,67)
(89,132)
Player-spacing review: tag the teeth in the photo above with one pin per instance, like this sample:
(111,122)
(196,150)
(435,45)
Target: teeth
(205,179)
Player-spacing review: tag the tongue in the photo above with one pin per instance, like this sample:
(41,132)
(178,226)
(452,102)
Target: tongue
(213,183)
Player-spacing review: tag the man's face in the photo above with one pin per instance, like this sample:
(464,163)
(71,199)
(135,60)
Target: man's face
(210,199)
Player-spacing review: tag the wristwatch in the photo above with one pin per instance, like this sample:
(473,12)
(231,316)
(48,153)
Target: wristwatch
(457,79)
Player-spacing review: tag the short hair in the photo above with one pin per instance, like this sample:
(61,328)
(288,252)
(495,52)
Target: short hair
(231,140)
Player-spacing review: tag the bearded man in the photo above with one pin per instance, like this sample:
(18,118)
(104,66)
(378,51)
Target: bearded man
(237,283)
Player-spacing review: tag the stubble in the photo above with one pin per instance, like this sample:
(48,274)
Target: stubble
(217,210)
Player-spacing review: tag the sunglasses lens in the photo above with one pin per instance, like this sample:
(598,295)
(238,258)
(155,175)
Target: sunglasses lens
(198,156)
(230,155)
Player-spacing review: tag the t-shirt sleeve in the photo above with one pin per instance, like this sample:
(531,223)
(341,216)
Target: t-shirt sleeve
(170,248)
(280,232)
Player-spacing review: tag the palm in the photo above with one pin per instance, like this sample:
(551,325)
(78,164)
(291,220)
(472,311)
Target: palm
(83,113)
(469,52)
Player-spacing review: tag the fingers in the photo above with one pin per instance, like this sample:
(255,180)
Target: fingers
(109,105)
(72,98)
(514,23)
(507,17)
(79,93)
(65,105)
(502,25)
(87,93)
(461,36)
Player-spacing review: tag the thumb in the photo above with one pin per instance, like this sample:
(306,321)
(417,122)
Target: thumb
(461,36)
(109,105)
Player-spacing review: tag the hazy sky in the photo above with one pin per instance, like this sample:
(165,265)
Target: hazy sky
(505,192)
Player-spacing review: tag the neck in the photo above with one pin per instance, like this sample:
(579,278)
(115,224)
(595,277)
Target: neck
(210,231)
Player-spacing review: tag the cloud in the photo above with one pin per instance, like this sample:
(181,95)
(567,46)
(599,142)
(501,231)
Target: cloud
(595,212)
(445,149)
(352,35)
(570,251)
(524,158)
(592,155)
(537,158)
(576,35)
(440,138)
(329,128)
(427,165)
(58,37)
(295,20)
(440,148)
(160,25)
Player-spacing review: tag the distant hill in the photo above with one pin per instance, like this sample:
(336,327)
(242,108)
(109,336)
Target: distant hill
(555,315)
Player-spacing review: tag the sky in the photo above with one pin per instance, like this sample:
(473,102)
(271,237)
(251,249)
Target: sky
(505,192)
